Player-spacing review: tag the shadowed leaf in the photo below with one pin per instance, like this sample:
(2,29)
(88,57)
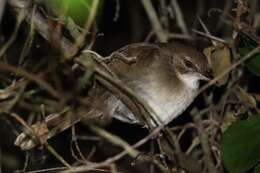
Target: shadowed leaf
(247,44)
(220,60)
(240,145)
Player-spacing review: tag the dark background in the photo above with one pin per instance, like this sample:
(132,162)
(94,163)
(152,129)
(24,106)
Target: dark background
(131,26)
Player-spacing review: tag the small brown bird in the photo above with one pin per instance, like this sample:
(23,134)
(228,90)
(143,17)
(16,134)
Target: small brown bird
(166,76)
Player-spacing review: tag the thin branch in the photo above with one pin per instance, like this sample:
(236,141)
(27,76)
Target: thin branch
(57,155)
(11,40)
(204,142)
(32,77)
(179,16)
(90,20)
(115,158)
(155,22)
(2,9)
(29,39)
(206,30)
(35,138)
(74,141)
(47,170)
(41,24)
(115,140)
(210,36)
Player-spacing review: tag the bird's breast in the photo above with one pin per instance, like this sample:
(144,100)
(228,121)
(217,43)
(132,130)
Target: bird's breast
(167,103)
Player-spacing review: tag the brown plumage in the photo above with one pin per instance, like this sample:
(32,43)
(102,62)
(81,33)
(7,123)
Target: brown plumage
(165,75)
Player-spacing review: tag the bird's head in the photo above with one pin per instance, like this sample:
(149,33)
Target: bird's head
(191,65)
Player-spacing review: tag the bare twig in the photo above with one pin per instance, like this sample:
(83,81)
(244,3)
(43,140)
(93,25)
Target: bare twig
(204,142)
(57,156)
(206,30)
(35,138)
(47,170)
(179,36)
(116,16)
(210,36)
(116,157)
(155,22)
(74,141)
(32,77)
(5,47)
(179,17)
(29,40)
(2,8)
(115,140)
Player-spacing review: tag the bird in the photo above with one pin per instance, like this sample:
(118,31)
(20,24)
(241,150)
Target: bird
(164,75)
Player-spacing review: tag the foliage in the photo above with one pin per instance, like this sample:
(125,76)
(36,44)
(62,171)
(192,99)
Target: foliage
(77,10)
(240,145)
(245,45)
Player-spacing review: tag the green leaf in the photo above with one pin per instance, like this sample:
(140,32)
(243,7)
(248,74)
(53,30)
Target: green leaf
(78,10)
(247,44)
(257,169)
(240,145)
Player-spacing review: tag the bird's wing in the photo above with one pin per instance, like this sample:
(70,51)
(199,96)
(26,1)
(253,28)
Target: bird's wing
(130,60)
(134,52)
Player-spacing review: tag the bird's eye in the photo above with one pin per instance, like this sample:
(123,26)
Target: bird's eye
(188,64)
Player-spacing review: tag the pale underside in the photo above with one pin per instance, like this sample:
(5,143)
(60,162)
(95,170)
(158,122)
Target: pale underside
(167,104)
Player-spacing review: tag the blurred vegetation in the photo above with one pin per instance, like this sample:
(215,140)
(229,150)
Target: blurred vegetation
(41,43)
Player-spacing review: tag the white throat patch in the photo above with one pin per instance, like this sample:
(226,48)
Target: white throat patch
(191,79)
